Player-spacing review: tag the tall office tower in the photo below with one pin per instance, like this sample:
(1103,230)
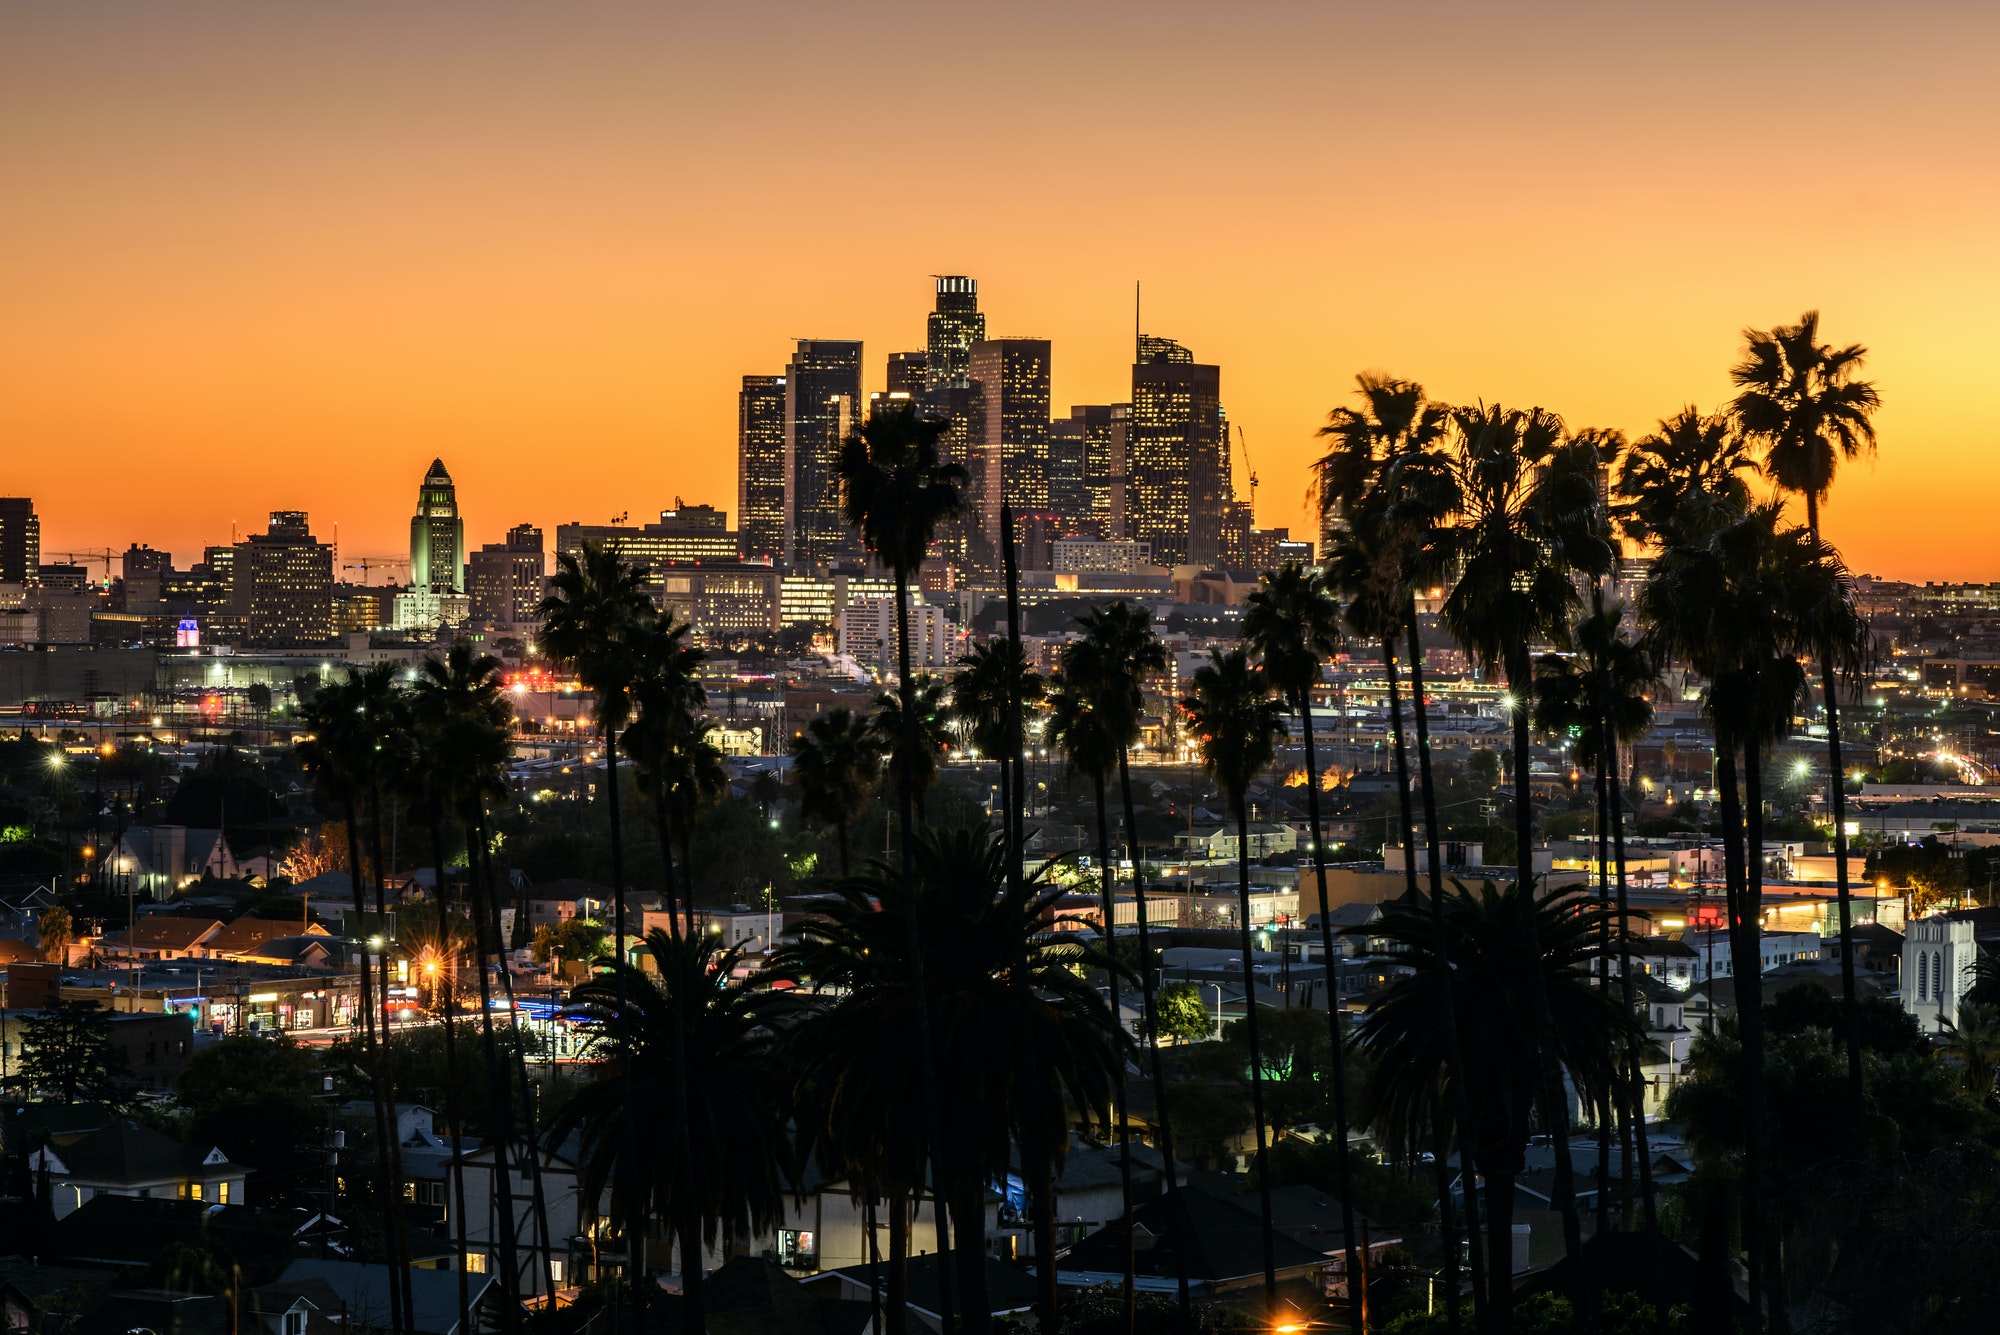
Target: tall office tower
(143,572)
(504,579)
(954,326)
(20,539)
(437,535)
(760,466)
(822,406)
(908,372)
(281,581)
(1069,474)
(1094,434)
(1176,455)
(1007,436)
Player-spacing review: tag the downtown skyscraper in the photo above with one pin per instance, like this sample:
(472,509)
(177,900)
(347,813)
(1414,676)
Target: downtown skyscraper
(1177,455)
(762,480)
(823,405)
(1007,436)
(437,535)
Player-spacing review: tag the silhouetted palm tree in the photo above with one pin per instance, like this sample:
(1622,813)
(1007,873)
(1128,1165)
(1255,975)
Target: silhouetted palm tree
(982,694)
(1684,478)
(1292,625)
(1803,402)
(915,750)
(1022,1036)
(595,602)
(1237,723)
(1502,946)
(692,1026)
(836,762)
(1528,525)
(896,490)
(342,751)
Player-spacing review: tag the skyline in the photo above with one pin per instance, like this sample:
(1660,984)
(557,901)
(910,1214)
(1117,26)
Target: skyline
(285,265)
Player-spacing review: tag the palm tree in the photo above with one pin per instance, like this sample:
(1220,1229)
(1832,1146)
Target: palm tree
(691,1027)
(1077,728)
(666,744)
(1685,477)
(1974,1042)
(340,751)
(989,678)
(1741,608)
(930,737)
(1498,942)
(1802,401)
(1528,525)
(1238,722)
(896,491)
(1599,697)
(1292,625)
(451,697)
(836,761)
(1022,1036)
(1119,652)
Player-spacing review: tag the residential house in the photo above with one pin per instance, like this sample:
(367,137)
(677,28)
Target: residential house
(127,1159)
(1218,1237)
(362,1291)
(161,936)
(1219,842)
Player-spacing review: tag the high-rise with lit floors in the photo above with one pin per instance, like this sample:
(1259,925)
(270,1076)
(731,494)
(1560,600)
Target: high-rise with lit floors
(504,579)
(1008,434)
(281,583)
(823,405)
(1087,468)
(954,326)
(437,535)
(1176,455)
(760,466)
(20,539)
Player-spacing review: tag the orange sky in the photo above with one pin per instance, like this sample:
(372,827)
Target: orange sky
(258,256)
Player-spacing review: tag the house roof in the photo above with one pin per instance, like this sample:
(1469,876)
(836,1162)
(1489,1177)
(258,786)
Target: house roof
(364,1290)
(1222,1237)
(1007,1289)
(248,933)
(168,931)
(128,1154)
(162,1311)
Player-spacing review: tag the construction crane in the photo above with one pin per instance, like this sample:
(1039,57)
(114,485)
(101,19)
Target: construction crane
(368,563)
(1243,446)
(104,554)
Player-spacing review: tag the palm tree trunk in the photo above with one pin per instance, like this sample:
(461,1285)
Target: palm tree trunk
(451,1115)
(968,1210)
(635,1222)
(1447,1222)
(926,1053)
(1048,1294)
(694,1281)
(1256,1052)
(1409,828)
(898,1292)
(1147,989)
(874,1258)
(1118,1105)
(1356,1256)
(1454,1054)
(1606,1117)
(500,1131)
(1750,1013)
(384,1126)
(1648,1202)
(1555,1104)
(1743,958)
(398,1220)
(1500,1243)
(537,1196)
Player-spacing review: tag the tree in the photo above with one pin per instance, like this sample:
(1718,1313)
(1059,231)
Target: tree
(1495,938)
(1183,1015)
(913,751)
(1528,526)
(836,762)
(1801,399)
(578,939)
(1237,722)
(257,1100)
(988,678)
(66,1052)
(1974,1043)
(1683,478)
(1292,625)
(896,490)
(732,1179)
(55,932)
(1023,1039)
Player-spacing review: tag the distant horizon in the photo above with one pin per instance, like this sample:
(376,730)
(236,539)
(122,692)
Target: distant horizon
(278,258)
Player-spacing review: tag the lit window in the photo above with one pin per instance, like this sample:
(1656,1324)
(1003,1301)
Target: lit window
(222,1192)
(475,1263)
(194,1191)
